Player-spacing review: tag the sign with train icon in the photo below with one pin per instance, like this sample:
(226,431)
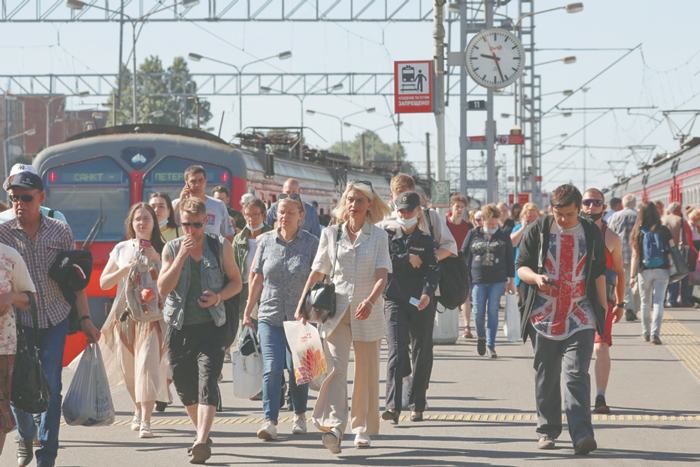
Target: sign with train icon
(413,87)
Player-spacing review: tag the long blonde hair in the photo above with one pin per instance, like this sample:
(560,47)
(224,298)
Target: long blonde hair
(377,212)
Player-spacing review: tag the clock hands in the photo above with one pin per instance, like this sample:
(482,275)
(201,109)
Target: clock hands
(495,59)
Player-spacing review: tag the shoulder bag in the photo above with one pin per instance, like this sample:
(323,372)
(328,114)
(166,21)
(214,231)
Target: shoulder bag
(319,303)
(454,276)
(30,388)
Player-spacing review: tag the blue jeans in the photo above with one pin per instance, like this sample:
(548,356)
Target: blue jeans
(50,346)
(274,352)
(481,294)
(652,288)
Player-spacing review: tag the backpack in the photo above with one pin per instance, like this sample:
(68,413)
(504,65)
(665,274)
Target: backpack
(652,249)
(454,276)
(143,301)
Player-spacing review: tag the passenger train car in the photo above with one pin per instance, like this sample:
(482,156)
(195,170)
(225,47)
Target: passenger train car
(673,177)
(97,175)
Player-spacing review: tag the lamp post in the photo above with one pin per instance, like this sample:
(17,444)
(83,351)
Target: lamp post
(196,103)
(566,60)
(282,56)
(5,147)
(154,114)
(79,5)
(341,120)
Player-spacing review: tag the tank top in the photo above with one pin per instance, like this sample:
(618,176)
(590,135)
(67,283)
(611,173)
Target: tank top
(608,255)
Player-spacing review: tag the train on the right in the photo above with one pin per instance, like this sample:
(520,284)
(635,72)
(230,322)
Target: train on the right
(668,178)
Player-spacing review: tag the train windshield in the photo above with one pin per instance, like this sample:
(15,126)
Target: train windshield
(85,191)
(169,176)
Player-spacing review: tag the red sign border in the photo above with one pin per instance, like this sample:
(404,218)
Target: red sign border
(413,110)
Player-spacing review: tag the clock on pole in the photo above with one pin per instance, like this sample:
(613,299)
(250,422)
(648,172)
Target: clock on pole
(495,58)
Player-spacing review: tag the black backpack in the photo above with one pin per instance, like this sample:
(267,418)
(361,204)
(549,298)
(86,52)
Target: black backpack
(454,277)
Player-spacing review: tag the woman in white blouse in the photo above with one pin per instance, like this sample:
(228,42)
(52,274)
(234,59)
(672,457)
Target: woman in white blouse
(134,353)
(361,270)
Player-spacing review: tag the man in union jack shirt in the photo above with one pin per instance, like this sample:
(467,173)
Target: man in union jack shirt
(562,266)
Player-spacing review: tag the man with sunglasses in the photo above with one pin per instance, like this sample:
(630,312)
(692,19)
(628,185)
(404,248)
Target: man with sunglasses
(9,214)
(311,222)
(193,280)
(39,240)
(593,207)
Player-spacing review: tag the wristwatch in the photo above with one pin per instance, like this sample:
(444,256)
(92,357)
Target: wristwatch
(619,305)
(86,317)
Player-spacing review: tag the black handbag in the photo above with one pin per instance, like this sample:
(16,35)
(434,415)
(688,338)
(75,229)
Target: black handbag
(231,304)
(678,267)
(454,276)
(30,388)
(319,302)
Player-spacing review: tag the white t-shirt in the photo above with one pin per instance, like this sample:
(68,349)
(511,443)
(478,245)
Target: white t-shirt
(560,312)
(122,253)
(252,248)
(218,223)
(14,277)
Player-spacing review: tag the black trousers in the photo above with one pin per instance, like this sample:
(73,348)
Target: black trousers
(406,323)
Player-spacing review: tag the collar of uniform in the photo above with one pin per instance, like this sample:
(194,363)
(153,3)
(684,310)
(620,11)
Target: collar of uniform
(400,233)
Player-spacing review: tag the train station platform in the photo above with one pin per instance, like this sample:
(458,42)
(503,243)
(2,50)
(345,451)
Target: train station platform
(481,412)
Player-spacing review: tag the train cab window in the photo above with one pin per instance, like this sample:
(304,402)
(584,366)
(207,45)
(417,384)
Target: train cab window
(85,191)
(169,176)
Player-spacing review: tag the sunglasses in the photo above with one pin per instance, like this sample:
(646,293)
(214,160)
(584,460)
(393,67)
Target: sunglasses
(25,198)
(196,225)
(290,196)
(362,182)
(595,202)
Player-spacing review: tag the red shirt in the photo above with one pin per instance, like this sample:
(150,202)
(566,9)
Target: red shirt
(458,231)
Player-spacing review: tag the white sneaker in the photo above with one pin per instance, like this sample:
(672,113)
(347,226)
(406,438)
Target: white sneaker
(136,421)
(227,357)
(268,431)
(406,391)
(299,425)
(145,431)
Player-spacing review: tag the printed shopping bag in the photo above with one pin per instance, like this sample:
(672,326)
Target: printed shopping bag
(307,352)
(88,401)
(511,323)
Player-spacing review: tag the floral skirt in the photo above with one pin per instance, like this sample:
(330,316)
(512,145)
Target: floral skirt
(135,356)
(7,419)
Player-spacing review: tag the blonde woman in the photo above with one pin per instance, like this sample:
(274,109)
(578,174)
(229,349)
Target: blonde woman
(361,267)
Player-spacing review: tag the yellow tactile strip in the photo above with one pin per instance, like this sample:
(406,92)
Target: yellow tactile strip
(682,343)
(521,417)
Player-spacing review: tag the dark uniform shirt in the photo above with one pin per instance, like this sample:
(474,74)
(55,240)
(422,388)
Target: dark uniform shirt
(406,281)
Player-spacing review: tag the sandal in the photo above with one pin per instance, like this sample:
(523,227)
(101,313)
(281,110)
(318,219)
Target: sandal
(331,440)
(362,441)
(200,453)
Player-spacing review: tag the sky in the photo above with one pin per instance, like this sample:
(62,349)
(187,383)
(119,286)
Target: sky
(663,72)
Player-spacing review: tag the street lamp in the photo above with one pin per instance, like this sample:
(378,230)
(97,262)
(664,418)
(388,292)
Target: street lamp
(79,5)
(282,56)
(570,8)
(154,114)
(567,61)
(342,121)
(335,87)
(30,132)
(196,103)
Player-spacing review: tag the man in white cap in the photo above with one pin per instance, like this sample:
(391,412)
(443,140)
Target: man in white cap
(10,214)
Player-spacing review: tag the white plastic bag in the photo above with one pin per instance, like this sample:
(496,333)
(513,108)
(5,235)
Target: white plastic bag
(511,323)
(88,401)
(307,351)
(247,370)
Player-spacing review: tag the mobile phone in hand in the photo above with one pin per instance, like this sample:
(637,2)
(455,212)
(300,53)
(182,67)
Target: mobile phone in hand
(552,283)
(145,243)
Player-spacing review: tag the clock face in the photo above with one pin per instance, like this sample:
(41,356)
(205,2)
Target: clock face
(495,58)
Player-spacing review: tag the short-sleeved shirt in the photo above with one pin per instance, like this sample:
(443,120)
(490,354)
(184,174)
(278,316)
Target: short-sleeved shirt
(122,253)
(52,238)
(285,267)
(458,231)
(311,222)
(218,221)
(171,233)
(560,312)
(14,277)
(622,223)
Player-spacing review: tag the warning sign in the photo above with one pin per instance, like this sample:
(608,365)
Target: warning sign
(413,87)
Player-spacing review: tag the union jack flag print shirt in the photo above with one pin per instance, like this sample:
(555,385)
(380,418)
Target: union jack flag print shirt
(560,312)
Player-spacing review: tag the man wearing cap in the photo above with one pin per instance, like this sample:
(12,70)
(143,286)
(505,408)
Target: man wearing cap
(407,307)
(9,214)
(39,239)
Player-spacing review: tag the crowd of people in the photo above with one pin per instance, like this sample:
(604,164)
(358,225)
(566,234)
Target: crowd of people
(576,269)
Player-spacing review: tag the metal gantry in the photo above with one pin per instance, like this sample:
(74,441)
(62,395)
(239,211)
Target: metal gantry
(32,11)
